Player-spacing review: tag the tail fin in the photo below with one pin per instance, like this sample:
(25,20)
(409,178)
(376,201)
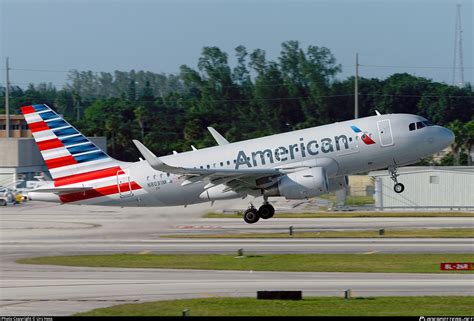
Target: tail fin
(66,152)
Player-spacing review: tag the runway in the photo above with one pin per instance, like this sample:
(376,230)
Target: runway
(334,245)
(66,290)
(41,229)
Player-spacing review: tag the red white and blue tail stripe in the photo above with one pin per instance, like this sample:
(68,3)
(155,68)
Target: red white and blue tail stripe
(72,159)
(65,151)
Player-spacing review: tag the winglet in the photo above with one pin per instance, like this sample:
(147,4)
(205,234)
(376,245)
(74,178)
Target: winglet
(151,158)
(378,113)
(218,137)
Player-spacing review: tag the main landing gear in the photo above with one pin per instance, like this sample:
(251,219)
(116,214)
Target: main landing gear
(252,215)
(398,187)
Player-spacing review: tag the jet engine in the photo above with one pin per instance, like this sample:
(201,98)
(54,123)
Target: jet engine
(303,184)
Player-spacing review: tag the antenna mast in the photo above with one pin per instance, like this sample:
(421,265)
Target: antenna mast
(458,63)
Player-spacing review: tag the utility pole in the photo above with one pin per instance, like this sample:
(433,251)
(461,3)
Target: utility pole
(7,102)
(356,88)
(458,65)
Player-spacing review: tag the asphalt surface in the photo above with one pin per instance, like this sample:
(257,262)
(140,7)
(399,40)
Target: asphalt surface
(42,229)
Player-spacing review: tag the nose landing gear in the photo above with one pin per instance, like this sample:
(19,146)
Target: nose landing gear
(398,187)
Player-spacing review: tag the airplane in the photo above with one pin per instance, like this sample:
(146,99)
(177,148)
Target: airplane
(297,165)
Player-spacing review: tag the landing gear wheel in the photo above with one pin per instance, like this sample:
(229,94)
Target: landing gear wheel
(251,215)
(266,211)
(398,188)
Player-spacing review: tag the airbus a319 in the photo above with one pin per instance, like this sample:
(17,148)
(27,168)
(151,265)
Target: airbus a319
(297,165)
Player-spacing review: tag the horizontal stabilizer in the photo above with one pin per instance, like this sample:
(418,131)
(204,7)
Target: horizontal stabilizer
(62,190)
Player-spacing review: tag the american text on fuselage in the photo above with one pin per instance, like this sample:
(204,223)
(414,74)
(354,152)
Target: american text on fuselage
(282,153)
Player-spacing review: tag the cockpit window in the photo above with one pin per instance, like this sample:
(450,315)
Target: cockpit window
(419,125)
(411,126)
(428,123)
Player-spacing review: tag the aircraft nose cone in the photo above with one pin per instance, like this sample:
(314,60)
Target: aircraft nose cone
(447,137)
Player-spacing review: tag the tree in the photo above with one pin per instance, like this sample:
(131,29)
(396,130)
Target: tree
(132,91)
(140,115)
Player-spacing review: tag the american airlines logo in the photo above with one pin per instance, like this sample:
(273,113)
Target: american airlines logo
(363,135)
(284,153)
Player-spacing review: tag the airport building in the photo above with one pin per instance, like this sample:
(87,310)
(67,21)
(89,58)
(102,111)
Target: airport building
(442,187)
(21,162)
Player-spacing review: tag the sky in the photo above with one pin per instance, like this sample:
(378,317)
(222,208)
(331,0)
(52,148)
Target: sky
(53,36)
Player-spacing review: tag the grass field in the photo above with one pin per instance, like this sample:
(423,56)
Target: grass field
(417,233)
(384,263)
(351,214)
(351,200)
(315,306)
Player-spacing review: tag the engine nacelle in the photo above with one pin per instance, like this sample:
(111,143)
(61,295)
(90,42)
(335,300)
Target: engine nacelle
(337,183)
(304,184)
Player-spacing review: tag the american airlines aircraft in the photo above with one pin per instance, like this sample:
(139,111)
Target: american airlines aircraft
(297,165)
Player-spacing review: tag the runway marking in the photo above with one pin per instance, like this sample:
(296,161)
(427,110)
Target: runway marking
(144,252)
(207,227)
(66,300)
(368,253)
(70,227)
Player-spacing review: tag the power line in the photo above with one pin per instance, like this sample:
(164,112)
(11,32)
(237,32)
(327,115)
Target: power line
(40,70)
(243,86)
(414,67)
(214,100)
(428,96)
(276,98)
(230,71)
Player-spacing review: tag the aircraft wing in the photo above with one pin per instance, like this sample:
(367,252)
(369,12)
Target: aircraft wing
(234,178)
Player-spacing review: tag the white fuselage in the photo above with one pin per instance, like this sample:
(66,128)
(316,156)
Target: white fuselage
(337,147)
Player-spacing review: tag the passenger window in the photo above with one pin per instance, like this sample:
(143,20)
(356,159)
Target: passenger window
(228,162)
(411,126)
(222,164)
(419,125)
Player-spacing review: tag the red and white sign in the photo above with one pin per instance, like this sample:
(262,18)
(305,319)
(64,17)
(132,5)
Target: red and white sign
(456,266)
